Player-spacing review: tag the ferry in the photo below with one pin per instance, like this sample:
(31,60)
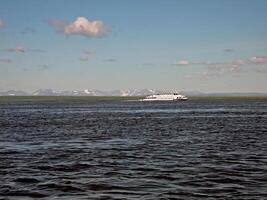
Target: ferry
(165,97)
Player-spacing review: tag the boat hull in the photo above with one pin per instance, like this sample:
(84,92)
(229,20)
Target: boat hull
(174,100)
(165,97)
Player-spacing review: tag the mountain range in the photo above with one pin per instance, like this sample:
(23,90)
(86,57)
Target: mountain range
(131,92)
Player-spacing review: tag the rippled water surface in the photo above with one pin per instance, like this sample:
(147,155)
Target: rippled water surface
(199,149)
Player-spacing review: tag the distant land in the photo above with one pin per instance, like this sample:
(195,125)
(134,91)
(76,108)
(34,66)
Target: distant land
(132,92)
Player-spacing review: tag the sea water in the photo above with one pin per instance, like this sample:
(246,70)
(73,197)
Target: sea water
(199,149)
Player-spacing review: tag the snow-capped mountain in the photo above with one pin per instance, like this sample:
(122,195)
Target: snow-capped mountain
(86,92)
(44,92)
(132,92)
(14,93)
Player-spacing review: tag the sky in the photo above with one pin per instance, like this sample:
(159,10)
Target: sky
(184,45)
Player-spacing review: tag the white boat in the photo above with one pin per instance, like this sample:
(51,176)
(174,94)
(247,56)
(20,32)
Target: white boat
(165,97)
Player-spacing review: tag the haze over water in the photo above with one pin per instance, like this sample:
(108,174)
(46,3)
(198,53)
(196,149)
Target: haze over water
(199,149)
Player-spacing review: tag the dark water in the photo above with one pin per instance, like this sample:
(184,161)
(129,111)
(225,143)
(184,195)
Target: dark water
(134,150)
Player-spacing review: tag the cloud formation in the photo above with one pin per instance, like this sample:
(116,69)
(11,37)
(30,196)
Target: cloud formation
(18,49)
(257,64)
(2,24)
(229,50)
(258,60)
(255,60)
(183,62)
(81,26)
(5,60)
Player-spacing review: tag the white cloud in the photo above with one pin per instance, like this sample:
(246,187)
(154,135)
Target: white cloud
(2,24)
(20,49)
(258,60)
(183,62)
(187,62)
(81,26)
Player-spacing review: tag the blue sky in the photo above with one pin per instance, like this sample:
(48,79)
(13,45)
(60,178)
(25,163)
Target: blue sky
(209,45)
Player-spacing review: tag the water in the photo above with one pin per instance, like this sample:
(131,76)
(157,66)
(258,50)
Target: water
(199,149)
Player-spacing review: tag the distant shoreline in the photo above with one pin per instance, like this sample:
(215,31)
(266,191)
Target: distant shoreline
(112,98)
